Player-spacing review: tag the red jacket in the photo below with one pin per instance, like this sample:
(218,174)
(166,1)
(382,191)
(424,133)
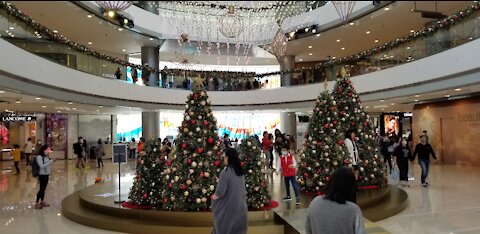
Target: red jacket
(285,162)
(266,144)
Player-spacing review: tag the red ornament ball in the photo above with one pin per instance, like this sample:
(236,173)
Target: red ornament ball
(339,90)
(366,123)
(200,150)
(325,126)
(168,162)
(242,164)
(334,122)
(192,122)
(145,195)
(189,161)
(210,140)
(217,163)
(318,170)
(170,185)
(349,94)
(165,200)
(184,146)
(262,184)
(305,175)
(202,174)
(340,142)
(353,123)
(348,81)
(205,123)
(183,187)
(195,96)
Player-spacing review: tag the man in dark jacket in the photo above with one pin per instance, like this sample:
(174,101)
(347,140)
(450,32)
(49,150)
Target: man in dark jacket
(424,150)
(79,151)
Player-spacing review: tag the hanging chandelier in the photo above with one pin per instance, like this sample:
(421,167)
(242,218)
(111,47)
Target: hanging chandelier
(230,25)
(114,5)
(279,44)
(344,9)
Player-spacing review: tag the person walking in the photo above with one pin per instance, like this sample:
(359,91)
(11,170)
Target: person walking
(335,212)
(132,148)
(350,138)
(99,153)
(79,151)
(287,166)
(229,202)
(384,150)
(28,148)
(401,156)
(226,142)
(16,154)
(424,150)
(266,145)
(118,74)
(44,162)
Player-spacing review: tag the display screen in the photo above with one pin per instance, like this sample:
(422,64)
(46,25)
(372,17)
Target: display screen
(392,125)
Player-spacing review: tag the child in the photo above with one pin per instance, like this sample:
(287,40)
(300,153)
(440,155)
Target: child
(287,166)
(16,157)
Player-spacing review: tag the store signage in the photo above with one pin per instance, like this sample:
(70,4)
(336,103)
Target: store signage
(408,114)
(19,118)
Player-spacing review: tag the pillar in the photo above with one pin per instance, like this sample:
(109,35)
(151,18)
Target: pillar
(288,123)
(150,56)
(151,125)
(287,63)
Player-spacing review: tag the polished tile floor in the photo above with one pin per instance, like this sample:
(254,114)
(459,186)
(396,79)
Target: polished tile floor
(450,205)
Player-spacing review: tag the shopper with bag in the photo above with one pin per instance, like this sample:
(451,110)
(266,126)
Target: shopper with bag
(44,163)
(401,156)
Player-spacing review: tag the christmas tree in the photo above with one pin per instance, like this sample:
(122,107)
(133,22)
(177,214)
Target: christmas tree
(352,116)
(147,179)
(255,183)
(193,174)
(324,150)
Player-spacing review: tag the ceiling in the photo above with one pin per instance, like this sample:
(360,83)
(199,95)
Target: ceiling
(383,25)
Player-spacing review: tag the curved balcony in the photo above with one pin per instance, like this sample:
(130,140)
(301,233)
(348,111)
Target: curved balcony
(429,68)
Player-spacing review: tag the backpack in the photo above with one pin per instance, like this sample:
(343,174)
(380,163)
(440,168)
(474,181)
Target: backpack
(36,167)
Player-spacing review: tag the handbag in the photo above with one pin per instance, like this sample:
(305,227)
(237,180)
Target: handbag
(394,174)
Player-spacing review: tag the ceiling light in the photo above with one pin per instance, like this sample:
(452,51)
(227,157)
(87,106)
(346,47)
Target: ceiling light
(376,40)
(58,111)
(74,108)
(408,47)
(366,107)
(383,109)
(98,110)
(307,29)
(310,46)
(417,95)
(411,10)
(382,100)
(318,35)
(89,16)
(120,29)
(314,30)
(151,39)
(124,50)
(412,31)
(338,40)
(103,65)
(38,98)
(18,102)
(343,48)
(386,8)
(100,106)
(55,31)
(352,23)
(111,14)
(300,60)
(458,89)
(392,104)
(90,43)
(310,54)
(447,96)
(292,34)
(367,32)
(70,103)
(11,28)
(334,57)
(416,100)
(1,91)
(44,106)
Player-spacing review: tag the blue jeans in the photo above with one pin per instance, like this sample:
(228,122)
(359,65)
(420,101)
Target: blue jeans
(424,164)
(292,179)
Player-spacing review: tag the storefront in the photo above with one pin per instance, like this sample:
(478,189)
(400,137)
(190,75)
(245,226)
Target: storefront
(17,128)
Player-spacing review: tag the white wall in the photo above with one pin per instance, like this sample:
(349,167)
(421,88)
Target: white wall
(36,69)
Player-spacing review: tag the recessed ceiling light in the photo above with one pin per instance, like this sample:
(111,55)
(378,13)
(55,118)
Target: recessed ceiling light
(376,40)
(300,60)
(11,28)
(100,106)
(352,23)
(89,16)
(416,100)
(367,32)
(392,104)
(318,35)
(74,108)
(458,89)
(90,43)
(411,30)
(1,91)
(416,95)
(447,96)
(310,54)
(314,30)
(334,57)
(38,98)
(338,40)
(58,111)
(124,50)
(386,8)
(151,39)
(120,29)
(343,48)
(310,47)
(411,10)
(55,31)
(366,107)
(70,103)
(408,47)
(292,34)
(18,102)
(383,109)
(103,65)
(44,106)
(98,110)
(307,29)
(382,100)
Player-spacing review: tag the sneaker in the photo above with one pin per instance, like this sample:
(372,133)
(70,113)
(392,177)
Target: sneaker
(297,203)
(287,198)
(38,205)
(425,185)
(44,204)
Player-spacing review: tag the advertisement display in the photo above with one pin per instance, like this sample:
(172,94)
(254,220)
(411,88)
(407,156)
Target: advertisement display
(392,125)
(57,131)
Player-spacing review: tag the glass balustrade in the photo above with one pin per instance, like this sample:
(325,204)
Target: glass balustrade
(24,36)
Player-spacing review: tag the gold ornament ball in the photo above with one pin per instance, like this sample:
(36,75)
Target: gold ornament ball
(176,178)
(198,200)
(204,199)
(212,187)
(186,193)
(189,182)
(207,174)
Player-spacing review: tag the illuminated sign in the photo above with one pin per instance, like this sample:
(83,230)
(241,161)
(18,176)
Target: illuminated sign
(18,118)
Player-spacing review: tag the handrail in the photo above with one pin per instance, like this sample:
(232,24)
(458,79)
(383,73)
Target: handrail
(445,34)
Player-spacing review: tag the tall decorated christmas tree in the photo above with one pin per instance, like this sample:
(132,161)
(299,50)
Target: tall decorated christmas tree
(324,149)
(255,182)
(147,179)
(352,116)
(193,174)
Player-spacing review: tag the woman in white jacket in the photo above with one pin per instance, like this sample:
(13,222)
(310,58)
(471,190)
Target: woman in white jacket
(44,162)
(350,139)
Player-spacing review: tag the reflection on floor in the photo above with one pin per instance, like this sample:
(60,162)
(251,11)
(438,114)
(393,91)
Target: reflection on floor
(448,206)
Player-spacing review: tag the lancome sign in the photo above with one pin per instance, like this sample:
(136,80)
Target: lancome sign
(18,118)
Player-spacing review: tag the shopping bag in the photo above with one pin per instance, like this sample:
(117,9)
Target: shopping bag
(394,175)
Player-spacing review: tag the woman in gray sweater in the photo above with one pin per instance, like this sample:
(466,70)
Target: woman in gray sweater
(335,212)
(229,203)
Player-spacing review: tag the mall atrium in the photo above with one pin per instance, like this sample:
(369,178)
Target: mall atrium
(125,116)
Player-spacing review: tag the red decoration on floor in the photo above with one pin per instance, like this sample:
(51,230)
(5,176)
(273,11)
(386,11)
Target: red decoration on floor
(273,204)
(133,206)
(369,187)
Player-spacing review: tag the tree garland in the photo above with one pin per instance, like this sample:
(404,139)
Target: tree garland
(439,25)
